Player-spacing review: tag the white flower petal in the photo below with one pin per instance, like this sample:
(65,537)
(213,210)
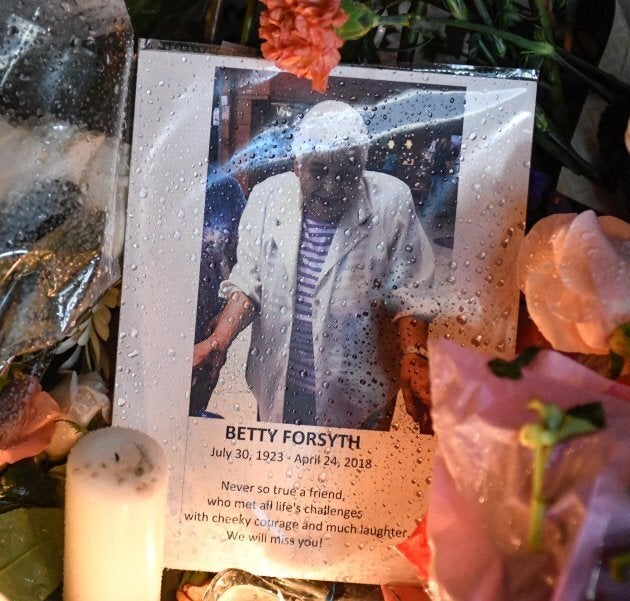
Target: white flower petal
(575,273)
(84,337)
(66,345)
(72,359)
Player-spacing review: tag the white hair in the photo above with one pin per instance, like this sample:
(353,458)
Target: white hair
(330,125)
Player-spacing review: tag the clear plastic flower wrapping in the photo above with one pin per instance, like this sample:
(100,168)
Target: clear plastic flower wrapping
(64,75)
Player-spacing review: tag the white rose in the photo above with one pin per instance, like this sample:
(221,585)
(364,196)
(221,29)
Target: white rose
(80,398)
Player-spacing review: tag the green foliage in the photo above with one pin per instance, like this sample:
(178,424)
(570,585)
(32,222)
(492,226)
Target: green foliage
(458,9)
(555,426)
(360,21)
(508,14)
(31,562)
(513,369)
(620,340)
(26,484)
(76,427)
(512,34)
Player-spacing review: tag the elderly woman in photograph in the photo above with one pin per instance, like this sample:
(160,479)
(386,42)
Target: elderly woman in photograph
(334,272)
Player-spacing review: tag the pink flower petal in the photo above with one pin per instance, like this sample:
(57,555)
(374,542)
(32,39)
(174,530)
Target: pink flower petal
(35,430)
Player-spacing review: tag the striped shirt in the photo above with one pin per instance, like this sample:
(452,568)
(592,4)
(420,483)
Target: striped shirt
(315,241)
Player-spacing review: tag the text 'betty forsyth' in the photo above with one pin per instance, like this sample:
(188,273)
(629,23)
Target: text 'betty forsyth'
(295,437)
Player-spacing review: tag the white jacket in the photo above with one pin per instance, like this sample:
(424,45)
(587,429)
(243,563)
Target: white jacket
(379,268)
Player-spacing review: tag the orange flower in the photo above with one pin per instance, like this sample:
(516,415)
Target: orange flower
(300,37)
(27,419)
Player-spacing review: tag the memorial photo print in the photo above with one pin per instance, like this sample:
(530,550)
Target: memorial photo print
(327,221)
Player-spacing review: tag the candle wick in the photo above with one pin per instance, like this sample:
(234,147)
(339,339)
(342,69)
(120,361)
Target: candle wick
(117,457)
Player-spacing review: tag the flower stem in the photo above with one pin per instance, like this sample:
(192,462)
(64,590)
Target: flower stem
(604,84)
(396,20)
(498,43)
(409,34)
(553,142)
(558,102)
(248,22)
(539,48)
(607,86)
(458,9)
(538,505)
(212,20)
(544,19)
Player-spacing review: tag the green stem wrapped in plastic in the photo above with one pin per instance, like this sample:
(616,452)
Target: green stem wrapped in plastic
(555,426)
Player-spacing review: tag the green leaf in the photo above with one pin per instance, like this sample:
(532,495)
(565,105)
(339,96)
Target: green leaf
(25,484)
(539,48)
(556,425)
(509,14)
(550,414)
(572,427)
(593,413)
(555,143)
(530,435)
(31,563)
(77,427)
(513,369)
(57,476)
(361,20)
(458,9)
(619,340)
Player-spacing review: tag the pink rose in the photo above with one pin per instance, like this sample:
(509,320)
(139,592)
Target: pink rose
(575,273)
(27,419)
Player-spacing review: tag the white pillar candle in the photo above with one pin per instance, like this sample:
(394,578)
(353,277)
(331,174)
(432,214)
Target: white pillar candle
(115,515)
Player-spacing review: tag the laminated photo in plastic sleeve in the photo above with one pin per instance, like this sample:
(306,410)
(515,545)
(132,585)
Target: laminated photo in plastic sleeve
(288,255)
